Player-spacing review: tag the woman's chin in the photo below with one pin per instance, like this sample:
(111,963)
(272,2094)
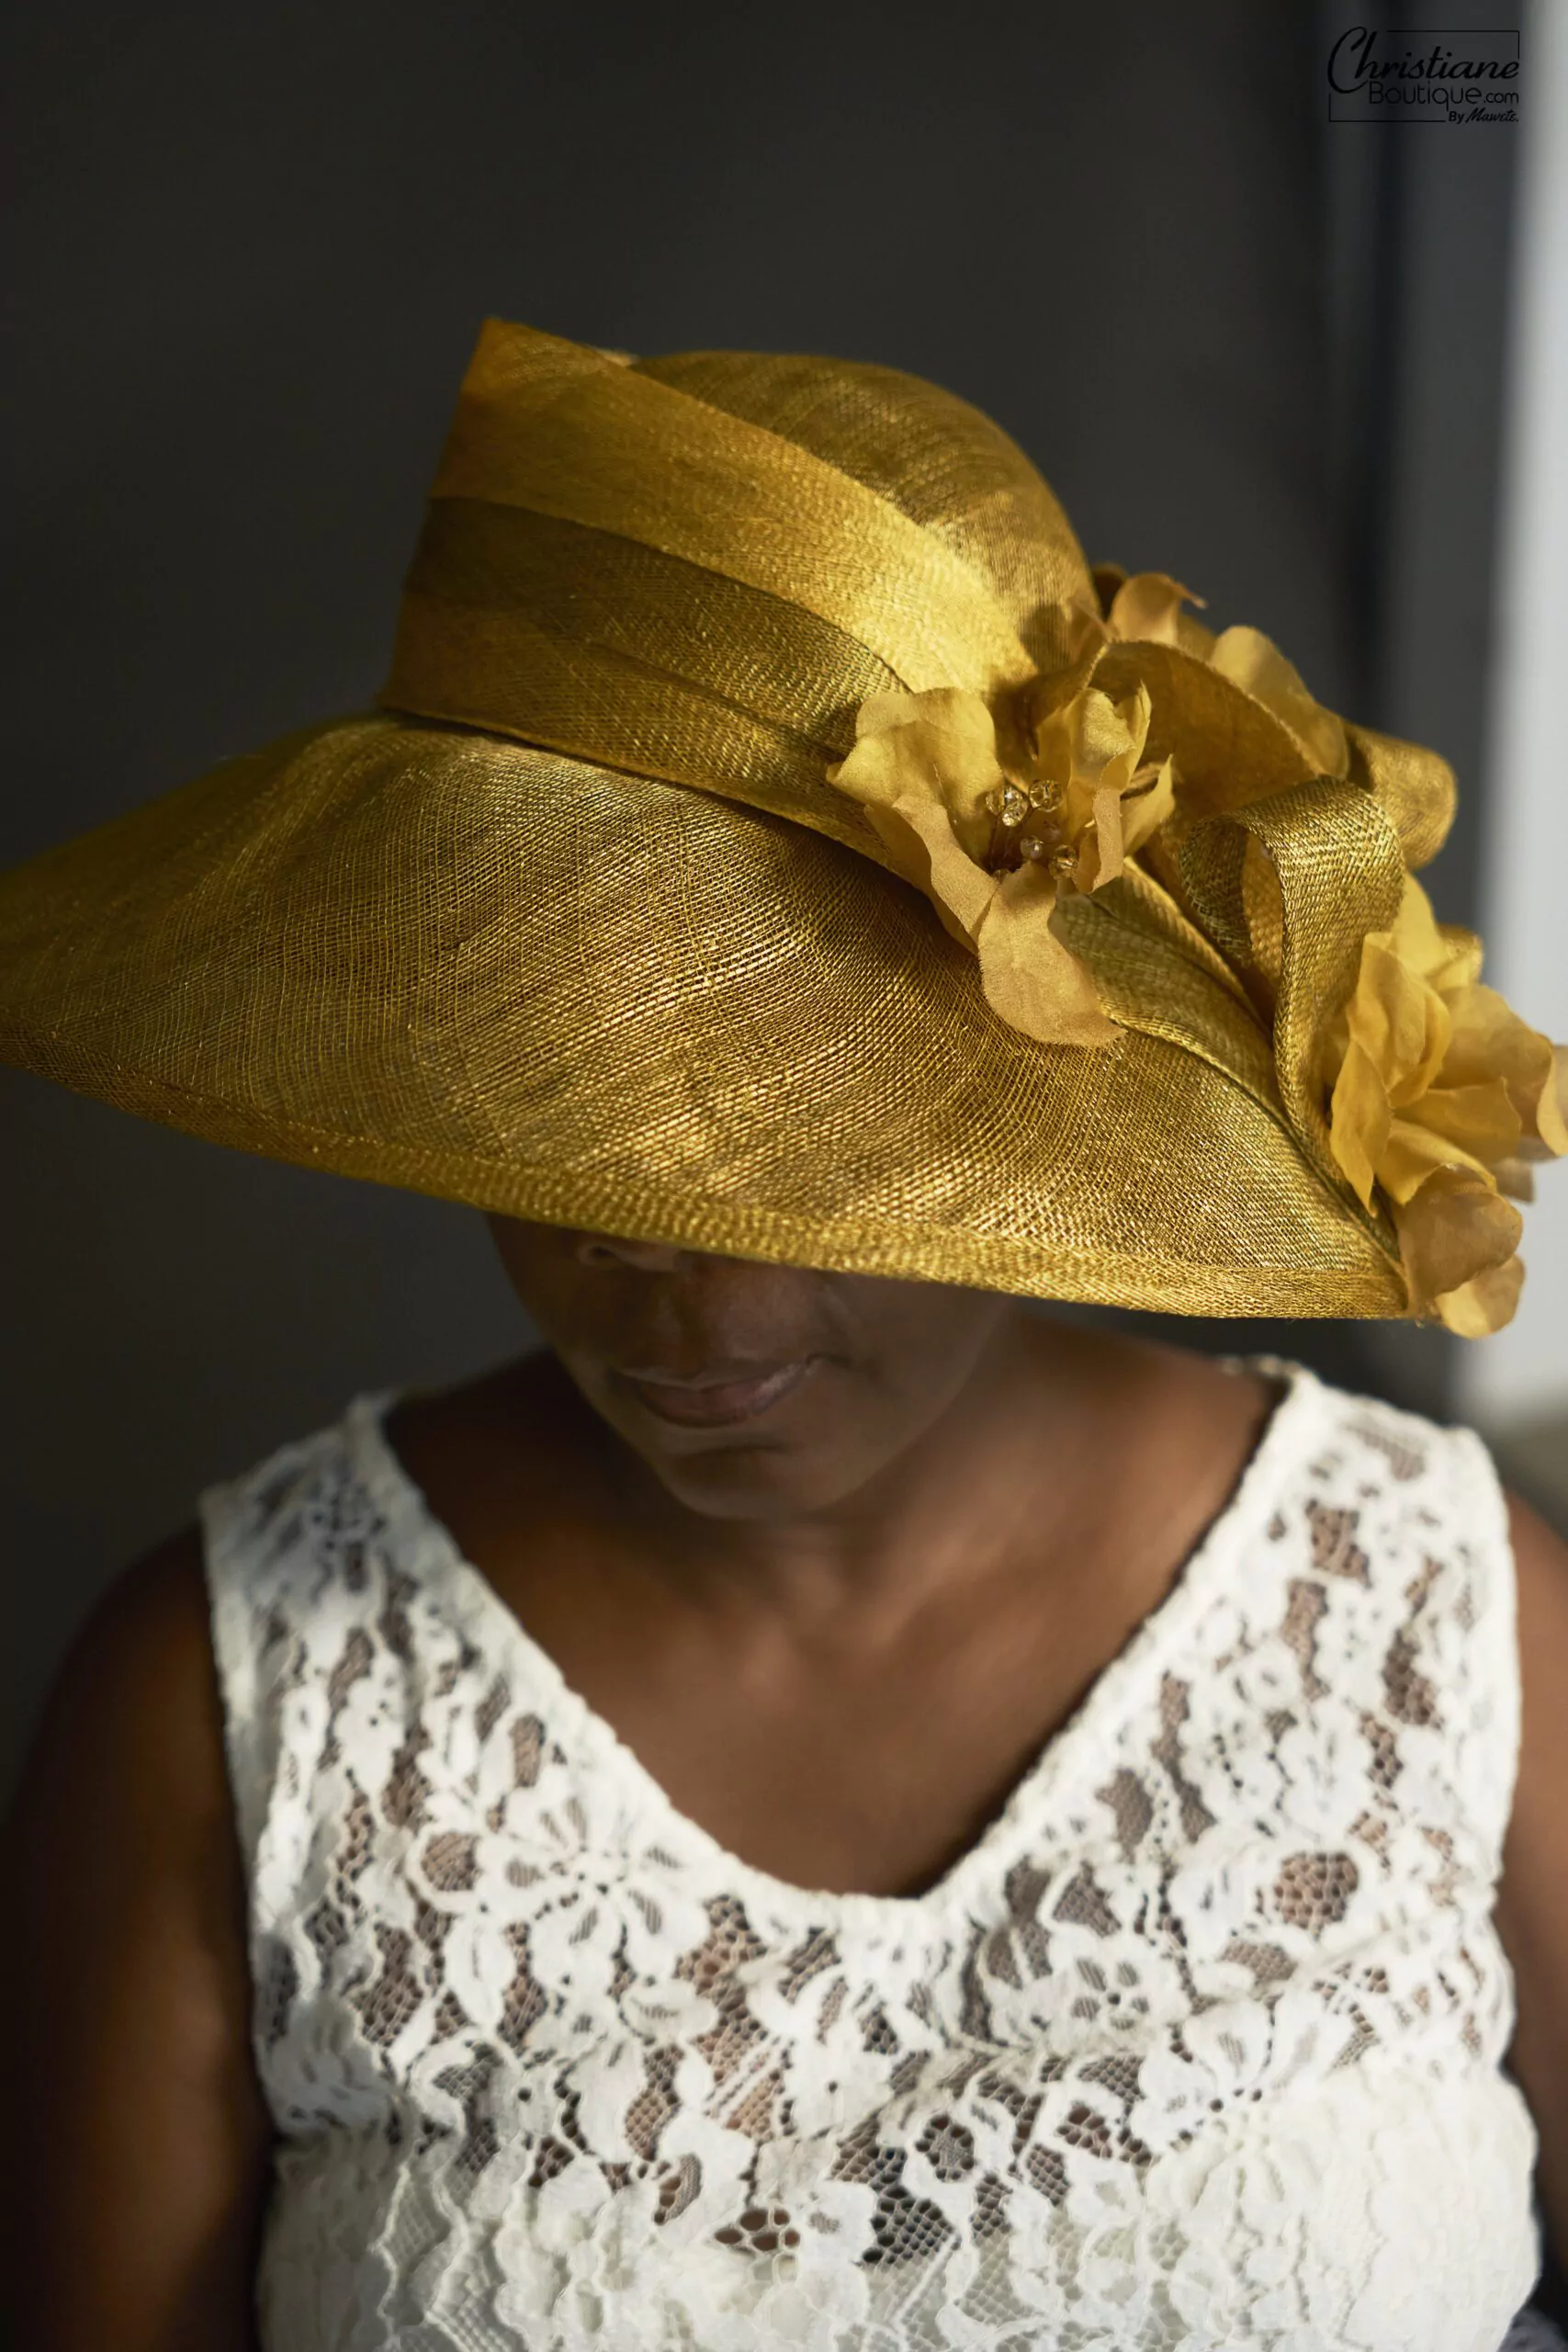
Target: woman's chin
(759,1480)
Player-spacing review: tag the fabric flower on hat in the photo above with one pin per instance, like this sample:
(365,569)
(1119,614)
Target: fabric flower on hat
(996,826)
(1440,1097)
(1147,607)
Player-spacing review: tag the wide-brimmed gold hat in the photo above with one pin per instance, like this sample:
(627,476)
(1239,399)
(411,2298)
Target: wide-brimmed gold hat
(773,838)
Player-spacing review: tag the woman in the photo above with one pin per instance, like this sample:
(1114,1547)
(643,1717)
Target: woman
(824,1808)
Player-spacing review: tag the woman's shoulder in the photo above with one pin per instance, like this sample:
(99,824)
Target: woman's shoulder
(1366,1549)
(1405,1516)
(377,1477)
(135,1698)
(1369,1480)
(137,1711)
(125,1778)
(1351,1461)
(300,1500)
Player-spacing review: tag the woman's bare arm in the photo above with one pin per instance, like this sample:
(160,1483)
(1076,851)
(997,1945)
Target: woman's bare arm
(135,2129)
(1532,1906)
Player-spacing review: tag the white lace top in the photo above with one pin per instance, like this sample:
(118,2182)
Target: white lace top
(1198,2047)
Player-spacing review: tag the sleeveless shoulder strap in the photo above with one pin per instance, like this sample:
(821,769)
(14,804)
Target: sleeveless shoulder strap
(1414,1516)
(321,1664)
(265,1540)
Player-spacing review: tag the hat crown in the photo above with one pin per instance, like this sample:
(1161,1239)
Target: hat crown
(699,566)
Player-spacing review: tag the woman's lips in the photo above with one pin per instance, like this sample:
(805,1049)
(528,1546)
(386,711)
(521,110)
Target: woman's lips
(715,1400)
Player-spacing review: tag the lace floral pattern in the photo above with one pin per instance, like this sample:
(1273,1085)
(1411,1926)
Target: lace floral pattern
(1198,2047)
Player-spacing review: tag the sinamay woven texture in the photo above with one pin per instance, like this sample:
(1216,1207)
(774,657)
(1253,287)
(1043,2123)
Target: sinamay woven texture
(576,927)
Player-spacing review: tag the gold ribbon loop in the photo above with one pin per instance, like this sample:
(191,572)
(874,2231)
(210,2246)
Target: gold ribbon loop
(1289,886)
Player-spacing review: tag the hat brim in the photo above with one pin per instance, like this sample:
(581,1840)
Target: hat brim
(436,959)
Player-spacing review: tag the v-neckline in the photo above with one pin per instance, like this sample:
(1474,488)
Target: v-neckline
(413,1528)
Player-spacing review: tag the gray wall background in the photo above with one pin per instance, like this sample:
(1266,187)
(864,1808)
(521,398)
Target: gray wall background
(252,250)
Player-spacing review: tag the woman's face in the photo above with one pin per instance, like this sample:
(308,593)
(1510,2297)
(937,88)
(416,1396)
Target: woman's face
(750,1391)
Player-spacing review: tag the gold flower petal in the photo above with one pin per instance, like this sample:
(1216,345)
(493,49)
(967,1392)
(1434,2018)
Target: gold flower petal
(1489,1038)
(1255,662)
(1032,979)
(1445,956)
(1148,608)
(940,745)
(1149,803)
(1551,1102)
(1455,1229)
(1107,737)
(1360,1120)
(1400,1023)
(1481,1119)
(921,767)
(1440,1096)
(1485,1304)
(1415,1151)
(1102,857)
(1458,958)
(919,839)
(1092,745)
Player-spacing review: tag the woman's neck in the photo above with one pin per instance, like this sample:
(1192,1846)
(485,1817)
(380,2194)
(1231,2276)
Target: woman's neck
(1029,1459)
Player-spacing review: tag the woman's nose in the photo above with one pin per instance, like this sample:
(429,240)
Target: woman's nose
(648,1257)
